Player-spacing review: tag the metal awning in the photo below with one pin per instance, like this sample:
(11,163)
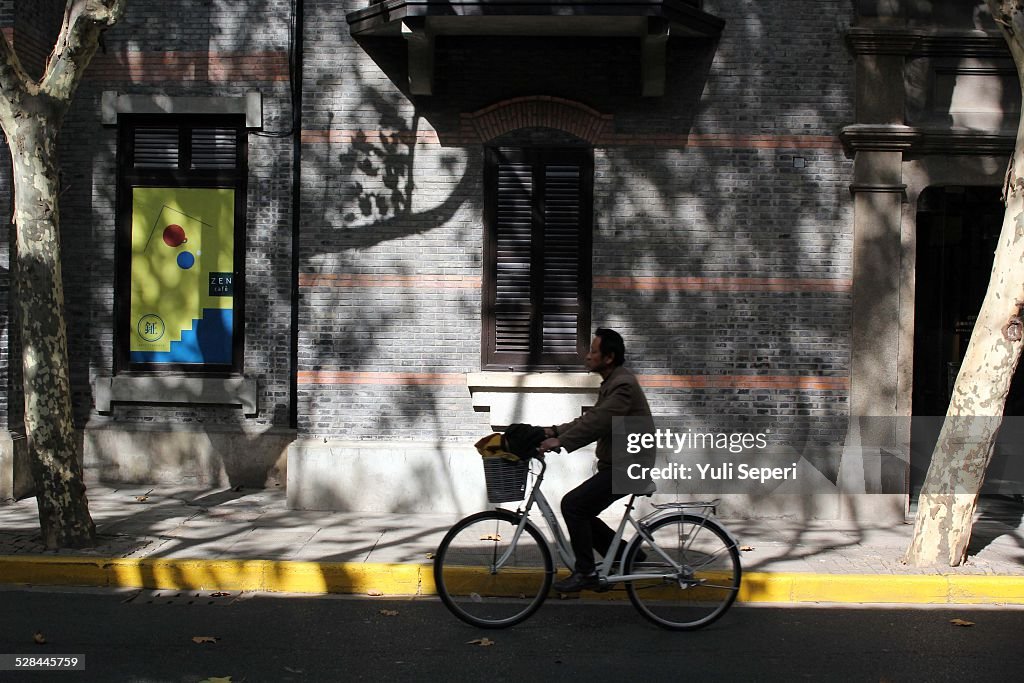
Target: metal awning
(420,21)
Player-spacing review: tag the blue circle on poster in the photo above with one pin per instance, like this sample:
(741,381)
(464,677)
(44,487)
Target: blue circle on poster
(186,260)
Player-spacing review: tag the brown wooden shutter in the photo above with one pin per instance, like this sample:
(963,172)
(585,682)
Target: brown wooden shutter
(156,148)
(562,228)
(537,280)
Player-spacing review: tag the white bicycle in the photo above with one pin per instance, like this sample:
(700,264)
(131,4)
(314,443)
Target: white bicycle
(494,568)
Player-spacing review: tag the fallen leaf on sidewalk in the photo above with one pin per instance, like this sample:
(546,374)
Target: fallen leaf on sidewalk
(482,642)
(389,612)
(374,593)
(39,638)
(199,640)
(746,548)
(430,556)
(961,622)
(491,537)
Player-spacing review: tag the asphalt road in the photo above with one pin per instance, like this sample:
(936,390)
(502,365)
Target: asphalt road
(148,636)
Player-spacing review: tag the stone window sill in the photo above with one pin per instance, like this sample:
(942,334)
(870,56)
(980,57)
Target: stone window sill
(541,398)
(237,391)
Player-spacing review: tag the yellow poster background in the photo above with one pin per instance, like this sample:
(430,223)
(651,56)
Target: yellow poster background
(161,288)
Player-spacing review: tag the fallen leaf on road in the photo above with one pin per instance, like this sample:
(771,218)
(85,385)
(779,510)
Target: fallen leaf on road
(746,548)
(374,593)
(199,640)
(219,594)
(216,679)
(39,638)
(961,622)
(482,642)
(144,497)
(389,612)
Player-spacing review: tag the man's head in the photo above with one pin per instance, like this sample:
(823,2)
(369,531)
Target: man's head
(607,351)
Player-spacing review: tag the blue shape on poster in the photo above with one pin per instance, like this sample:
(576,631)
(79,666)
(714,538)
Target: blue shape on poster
(209,341)
(186,260)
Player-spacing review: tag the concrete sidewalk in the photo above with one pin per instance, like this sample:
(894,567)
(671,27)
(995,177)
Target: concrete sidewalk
(236,540)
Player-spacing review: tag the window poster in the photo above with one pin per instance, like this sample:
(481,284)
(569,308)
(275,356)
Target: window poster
(182,266)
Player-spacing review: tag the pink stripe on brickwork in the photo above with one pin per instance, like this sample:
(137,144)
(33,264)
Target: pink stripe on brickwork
(478,131)
(721,284)
(770,382)
(208,66)
(344,280)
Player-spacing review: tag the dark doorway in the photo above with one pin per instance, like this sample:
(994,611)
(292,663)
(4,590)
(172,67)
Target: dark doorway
(957,233)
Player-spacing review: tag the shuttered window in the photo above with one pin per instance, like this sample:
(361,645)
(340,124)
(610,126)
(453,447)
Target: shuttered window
(537,275)
(181,244)
(188,146)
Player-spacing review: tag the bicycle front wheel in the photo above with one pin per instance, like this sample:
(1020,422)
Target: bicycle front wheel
(483,579)
(695,572)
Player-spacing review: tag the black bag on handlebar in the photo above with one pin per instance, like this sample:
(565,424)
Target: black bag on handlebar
(522,439)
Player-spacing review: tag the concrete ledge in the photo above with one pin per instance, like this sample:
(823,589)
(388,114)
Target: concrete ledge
(533,397)
(238,391)
(418,579)
(15,476)
(195,454)
(113,103)
(392,476)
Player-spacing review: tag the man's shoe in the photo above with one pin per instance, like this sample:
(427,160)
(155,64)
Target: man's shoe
(577,582)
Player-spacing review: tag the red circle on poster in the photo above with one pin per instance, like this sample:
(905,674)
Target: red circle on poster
(174,235)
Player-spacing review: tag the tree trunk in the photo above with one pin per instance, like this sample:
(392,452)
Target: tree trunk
(31,114)
(64,518)
(949,496)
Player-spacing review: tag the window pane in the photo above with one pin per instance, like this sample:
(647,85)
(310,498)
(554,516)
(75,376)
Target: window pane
(514,218)
(214,148)
(562,195)
(156,148)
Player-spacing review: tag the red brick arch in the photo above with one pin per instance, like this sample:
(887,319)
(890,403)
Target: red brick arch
(536,112)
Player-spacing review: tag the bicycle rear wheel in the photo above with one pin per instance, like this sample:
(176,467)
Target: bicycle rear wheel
(708,581)
(478,591)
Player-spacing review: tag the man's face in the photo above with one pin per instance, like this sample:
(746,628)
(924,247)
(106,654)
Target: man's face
(595,361)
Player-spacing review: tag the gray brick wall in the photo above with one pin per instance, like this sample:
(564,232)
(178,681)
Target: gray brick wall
(745,209)
(389,207)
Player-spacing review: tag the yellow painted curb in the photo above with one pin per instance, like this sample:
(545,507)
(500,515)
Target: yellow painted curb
(916,589)
(228,574)
(418,579)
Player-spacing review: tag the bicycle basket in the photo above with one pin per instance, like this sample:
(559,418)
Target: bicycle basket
(506,479)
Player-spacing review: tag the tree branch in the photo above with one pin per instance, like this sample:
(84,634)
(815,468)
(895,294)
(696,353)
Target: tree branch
(15,84)
(84,21)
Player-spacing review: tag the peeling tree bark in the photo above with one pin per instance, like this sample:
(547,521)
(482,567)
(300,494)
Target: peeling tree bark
(31,114)
(950,493)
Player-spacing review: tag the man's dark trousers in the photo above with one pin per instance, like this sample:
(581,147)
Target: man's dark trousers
(580,508)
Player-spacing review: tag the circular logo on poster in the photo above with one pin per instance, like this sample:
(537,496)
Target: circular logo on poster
(151,327)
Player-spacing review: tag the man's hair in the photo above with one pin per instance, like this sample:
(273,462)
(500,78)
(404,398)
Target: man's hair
(612,344)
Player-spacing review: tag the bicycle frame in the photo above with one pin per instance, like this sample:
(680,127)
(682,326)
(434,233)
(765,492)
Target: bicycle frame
(564,549)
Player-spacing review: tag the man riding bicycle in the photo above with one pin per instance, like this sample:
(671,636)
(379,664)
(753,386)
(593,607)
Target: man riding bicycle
(619,395)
